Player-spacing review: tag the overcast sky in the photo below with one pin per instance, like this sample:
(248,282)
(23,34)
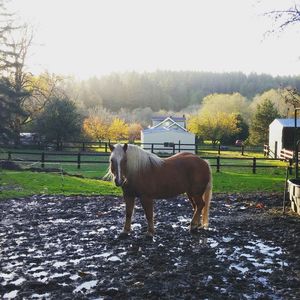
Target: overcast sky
(95,37)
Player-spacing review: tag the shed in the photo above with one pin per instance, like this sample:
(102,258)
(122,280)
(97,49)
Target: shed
(168,132)
(281,135)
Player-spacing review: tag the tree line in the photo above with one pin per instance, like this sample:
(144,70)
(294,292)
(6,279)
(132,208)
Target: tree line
(169,90)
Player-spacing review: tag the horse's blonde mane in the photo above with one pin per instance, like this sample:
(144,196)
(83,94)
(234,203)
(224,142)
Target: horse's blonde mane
(139,160)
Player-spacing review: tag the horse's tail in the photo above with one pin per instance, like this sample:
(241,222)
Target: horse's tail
(207,195)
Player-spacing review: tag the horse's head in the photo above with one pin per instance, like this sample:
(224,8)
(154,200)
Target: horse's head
(118,162)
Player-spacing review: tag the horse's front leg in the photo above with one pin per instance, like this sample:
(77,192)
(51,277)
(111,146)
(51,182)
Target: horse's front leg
(129,201)
(147,204)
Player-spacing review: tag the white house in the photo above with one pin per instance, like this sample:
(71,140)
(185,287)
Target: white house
(166,132)
(281,135)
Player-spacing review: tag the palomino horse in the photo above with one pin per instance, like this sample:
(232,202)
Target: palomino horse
(147,176)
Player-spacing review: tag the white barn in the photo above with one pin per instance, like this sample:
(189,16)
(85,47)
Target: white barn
(165,132)
(281,134)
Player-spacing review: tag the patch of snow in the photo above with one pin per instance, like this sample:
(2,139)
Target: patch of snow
(11,295)
(242,270)
(86,285)
(114,258)
(59,264)
(18,281)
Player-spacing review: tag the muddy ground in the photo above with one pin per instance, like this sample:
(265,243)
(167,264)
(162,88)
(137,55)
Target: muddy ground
(68,248)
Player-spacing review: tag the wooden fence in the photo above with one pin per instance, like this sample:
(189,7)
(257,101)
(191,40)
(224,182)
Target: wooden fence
(159,148)
(79,158)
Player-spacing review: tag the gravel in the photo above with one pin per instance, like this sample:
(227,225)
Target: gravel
(56,247)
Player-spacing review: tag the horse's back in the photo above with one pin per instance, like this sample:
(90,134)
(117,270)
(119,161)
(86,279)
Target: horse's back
(188,161)
(190,172)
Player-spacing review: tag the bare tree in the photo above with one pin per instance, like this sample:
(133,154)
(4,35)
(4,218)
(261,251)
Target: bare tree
(285,17)
(291,96)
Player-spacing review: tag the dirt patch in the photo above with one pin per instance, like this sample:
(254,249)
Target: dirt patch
(68,248)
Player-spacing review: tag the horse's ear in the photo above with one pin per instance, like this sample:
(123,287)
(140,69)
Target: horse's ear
(111,147)
(125,147)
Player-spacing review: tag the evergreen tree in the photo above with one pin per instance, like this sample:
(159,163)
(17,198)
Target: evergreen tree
(8,111)
(59,122)
(263,117)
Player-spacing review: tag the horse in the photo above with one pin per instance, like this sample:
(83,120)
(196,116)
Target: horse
(144,175)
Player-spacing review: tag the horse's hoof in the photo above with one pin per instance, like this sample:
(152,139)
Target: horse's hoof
(149,235)
(124,235)
(193,229)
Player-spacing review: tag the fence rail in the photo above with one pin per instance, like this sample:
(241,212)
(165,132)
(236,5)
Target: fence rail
(159,148)
(80,158)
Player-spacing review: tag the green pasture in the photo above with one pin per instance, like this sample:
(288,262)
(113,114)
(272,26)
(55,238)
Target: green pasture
(24,183)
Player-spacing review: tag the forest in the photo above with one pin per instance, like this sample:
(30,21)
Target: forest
(169,90)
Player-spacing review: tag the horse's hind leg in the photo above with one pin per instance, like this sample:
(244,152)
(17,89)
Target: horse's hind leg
(147,204)
(192,201)
(196,217)
(205,211)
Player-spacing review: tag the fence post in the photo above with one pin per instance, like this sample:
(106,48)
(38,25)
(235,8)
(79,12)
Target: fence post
(254,165)
(219,149)
(152,148)
(43,160)
(9,155)
(173,148)
(196,148)
(290,166)
(275,150)
(178,146)
(218,164)
(243,148)
(78,160)
(105,147)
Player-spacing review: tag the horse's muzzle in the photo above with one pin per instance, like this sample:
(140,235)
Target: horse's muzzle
(119,182)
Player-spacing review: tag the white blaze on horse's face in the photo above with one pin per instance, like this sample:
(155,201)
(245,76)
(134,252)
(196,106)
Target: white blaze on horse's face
(118,163)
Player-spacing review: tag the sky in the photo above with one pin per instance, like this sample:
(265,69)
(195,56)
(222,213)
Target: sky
(86,38)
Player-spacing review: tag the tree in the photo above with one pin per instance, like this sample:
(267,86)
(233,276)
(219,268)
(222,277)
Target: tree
(227,103)
(7,111)
(259,127)
(291,97)
(28,94)
(59,121)
(285,17)
(243,127)
(118,130)
(134,132)
(95,128)
(214,127)
(275,96)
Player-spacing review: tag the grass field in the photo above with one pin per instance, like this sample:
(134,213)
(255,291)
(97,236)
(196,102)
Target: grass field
(25,183)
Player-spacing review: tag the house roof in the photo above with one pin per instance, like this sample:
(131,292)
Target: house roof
(287,122)
(165,131)
(169,122)
(176,119)
(166,125)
